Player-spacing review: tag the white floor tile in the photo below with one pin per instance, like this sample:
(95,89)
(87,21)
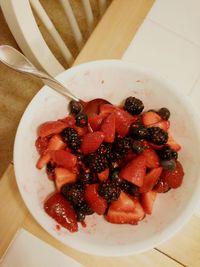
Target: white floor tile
(180,16)
(166,53)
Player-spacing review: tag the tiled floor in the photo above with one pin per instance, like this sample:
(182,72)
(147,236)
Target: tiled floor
(168,42)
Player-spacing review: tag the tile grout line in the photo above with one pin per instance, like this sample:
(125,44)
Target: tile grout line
(174,32)
(177,261)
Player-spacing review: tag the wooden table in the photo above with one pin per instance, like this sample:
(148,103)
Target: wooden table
(121,23)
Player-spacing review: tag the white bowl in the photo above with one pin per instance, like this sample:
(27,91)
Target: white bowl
(113,80)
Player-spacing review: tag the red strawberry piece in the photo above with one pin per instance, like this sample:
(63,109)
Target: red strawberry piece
(64,159)
(123,121)
(173,178)
(51,127)
(134,171)
(155,147)
(103,175)
(161,186)
(107,108)
(43,160)
(147,201)
(69,120)
(150,117)
(41,144)
(91,142)
(150,179)
(172,143)
(56,143)
(152,159)
(161,124)
(95,121)
(63,176)
(96,202)
(123,203)
(57,207)
(108,128)
(126,217)
(81,131)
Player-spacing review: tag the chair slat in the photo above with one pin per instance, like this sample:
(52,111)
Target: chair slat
(73,22)
(102,6)
(39,10)
(20,19)
(89,15)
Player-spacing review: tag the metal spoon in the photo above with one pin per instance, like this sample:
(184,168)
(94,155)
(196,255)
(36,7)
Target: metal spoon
(17,61)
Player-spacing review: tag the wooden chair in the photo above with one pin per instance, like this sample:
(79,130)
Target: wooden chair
(22,17)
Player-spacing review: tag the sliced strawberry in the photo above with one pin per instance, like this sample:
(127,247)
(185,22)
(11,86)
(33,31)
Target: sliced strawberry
(134,171)
(59,209)
(41,144)
(173,178)
(123,203)
(64,158)
(81,130)
(150,179)
(51,127)
(161,124)
(150,117)
(152,159)
(123,121)
(43,160)
(147,201)
(161,186)
(96,202)
(108,128)
(56,143)
(91,142)
(63,176)
(126,217)
(103,175)
(172,143)
(95,121)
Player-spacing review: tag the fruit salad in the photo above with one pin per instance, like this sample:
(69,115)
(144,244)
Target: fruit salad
(112,162)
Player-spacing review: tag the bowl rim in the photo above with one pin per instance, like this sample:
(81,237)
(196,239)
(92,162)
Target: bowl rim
(184,217)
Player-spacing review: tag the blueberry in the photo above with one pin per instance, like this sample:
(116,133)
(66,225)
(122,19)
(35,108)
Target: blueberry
(168,164)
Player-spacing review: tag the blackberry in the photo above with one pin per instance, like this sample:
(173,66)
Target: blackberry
(138,132)
(164,113)
(129,188)
(96,163)
(105,150)
(121,147)
(81,119)
(167,153)
(109,190)
(157,136)
(74,193)
(137,147)
(86,177)
(75,107)
(133,105)
(82,210)
(71,138)
(79,156)
(50,167)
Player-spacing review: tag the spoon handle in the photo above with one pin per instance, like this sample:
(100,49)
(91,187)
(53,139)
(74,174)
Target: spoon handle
(53,83)
(17,61)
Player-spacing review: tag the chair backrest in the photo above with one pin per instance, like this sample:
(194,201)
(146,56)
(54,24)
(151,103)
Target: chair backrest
(27,18)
